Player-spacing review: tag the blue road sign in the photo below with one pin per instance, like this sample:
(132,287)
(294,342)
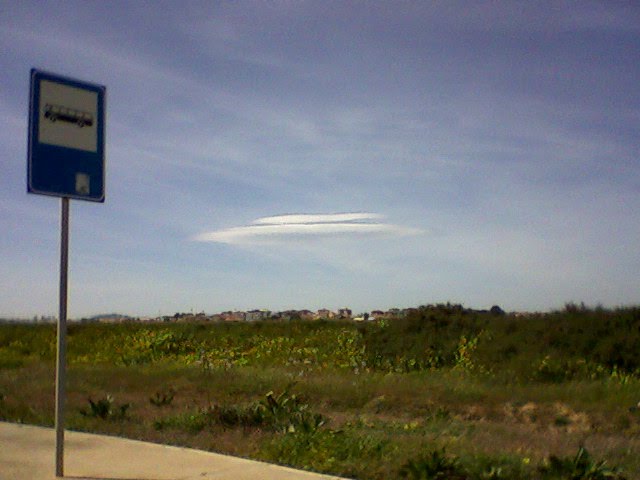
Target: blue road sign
(66,137)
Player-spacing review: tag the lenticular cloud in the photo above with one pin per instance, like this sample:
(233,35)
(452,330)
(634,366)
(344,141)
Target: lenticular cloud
(316,218)
(282,227)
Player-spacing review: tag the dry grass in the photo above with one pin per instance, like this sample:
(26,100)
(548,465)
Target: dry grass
(407,413)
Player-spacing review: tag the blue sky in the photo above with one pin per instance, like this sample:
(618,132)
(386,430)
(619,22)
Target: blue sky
(326,154)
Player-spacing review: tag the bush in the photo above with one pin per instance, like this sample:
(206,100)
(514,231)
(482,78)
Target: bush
(580,467)
(435,465)
(286,413)
(282,413)
(106,409)
(162,398)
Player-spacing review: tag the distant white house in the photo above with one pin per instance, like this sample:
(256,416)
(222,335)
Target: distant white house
(325,314)
(257,315)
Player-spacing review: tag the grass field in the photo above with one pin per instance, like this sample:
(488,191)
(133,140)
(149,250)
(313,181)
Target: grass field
(445,393)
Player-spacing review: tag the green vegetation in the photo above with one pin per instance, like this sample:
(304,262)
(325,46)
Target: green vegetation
(106,409)
(163,398)
(445,392)
(582,466)
(435,465)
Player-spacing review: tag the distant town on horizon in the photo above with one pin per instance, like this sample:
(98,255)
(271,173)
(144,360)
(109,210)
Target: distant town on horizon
(259,315)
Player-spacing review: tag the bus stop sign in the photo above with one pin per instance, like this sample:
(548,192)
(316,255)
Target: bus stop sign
(66,137)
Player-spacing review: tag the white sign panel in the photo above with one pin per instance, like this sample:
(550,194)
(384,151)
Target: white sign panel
(68,116)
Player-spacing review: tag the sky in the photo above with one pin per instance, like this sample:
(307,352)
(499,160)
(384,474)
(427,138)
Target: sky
(319,154)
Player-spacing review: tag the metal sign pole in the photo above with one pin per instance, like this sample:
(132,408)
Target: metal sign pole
(62,337)
(65,158)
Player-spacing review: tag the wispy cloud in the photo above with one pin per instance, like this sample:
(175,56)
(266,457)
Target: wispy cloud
(282,227)
(311,218)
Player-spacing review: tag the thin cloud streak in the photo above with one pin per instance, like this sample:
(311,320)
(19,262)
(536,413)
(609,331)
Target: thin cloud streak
(316,218)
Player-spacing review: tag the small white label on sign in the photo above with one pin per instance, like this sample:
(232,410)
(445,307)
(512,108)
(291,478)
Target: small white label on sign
(68,117)
(83,186)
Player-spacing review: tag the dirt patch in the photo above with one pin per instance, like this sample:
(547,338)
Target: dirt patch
(527,414)
(570,420)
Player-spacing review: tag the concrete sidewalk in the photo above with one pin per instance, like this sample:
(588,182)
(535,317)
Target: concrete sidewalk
(28,453)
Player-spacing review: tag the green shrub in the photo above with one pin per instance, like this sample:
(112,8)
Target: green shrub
(580,467)
(435,465)
(287,413)
(151,345)
(162,398)
(9,359)
(429,337)
(231,416)
(282,413)
(500,467)
(106,409)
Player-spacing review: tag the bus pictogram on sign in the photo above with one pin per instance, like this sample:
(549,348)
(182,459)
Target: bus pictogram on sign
(58,112)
